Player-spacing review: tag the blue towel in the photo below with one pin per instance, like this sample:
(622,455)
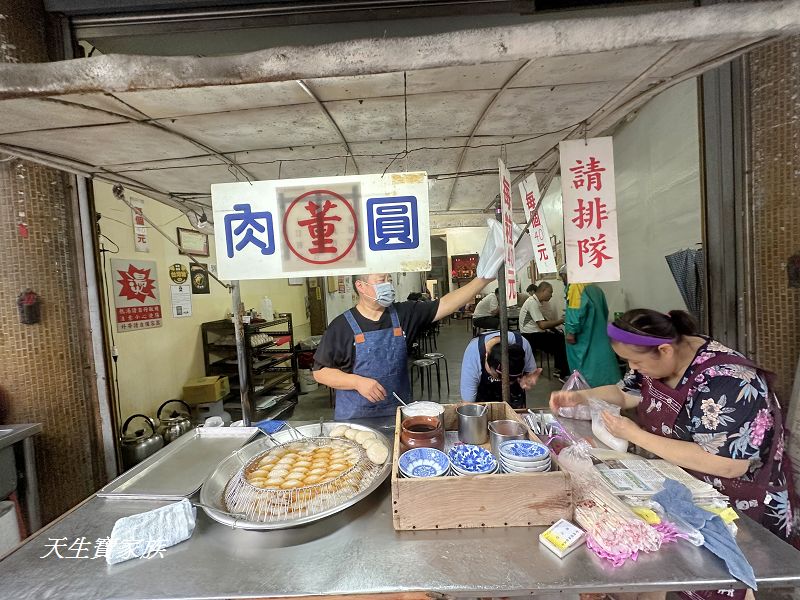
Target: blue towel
(270,426)
(677,500)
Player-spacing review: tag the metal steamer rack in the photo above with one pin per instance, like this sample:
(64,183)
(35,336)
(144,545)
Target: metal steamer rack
(228,498)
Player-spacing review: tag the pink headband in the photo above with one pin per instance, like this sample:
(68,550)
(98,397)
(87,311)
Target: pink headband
(627,337)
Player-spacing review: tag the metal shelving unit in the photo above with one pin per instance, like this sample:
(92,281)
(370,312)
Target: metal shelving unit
(274,385)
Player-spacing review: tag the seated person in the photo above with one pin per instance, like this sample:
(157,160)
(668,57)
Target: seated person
(481,380)
(487,311)
(542,333)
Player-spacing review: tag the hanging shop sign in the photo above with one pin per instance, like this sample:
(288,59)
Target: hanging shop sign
(181,299)
(140,241)
(539,234)
(508,234)
(136,295)
(199,275)
(590,210)
(324,225)
(178,273)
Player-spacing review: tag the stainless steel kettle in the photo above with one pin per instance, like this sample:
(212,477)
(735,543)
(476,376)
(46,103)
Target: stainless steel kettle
(137,446)
(176,424)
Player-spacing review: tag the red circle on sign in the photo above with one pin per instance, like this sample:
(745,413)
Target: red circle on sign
(338,256)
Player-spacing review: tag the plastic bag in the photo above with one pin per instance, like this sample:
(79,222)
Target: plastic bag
(491,257)
(598,407)
(576,458)
(574,383)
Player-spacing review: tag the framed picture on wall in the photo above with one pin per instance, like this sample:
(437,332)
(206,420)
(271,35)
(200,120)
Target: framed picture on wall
(192,242)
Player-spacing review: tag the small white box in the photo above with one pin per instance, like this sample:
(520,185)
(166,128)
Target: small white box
(562,537)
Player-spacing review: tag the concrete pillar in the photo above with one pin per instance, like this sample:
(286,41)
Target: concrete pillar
(46,369)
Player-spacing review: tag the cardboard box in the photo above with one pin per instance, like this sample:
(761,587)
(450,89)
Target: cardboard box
(206,389)
(498,500)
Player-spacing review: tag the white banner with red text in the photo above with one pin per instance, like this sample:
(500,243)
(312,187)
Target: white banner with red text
(590,210)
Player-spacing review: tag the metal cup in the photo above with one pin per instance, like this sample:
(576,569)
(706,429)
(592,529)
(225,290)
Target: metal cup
(473,420)
(500,431)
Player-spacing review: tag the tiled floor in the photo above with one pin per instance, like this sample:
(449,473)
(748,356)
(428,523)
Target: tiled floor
(451,341)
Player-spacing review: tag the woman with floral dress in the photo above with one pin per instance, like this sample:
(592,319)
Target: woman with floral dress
(703,407)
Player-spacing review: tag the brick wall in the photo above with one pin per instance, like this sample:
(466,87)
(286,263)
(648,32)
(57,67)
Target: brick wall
(46,376)
(774,73)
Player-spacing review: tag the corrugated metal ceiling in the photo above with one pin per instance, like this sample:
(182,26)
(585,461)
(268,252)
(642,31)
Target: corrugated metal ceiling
(171,127)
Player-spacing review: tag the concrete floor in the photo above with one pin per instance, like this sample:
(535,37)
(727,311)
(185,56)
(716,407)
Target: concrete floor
(451,341)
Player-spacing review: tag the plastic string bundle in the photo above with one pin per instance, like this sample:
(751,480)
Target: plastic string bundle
(613,531)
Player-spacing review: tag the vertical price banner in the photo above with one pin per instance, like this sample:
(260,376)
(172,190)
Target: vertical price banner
(540,235)
(140,241)
(508,234)
(590,210)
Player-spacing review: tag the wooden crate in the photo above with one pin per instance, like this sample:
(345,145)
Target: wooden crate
(500,500)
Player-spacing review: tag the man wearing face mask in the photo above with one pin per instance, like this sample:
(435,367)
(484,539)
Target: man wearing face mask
(363,353)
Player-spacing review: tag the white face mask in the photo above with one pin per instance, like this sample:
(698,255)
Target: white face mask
(384,293)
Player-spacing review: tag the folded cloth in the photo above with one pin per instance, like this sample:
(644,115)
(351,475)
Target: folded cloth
(677,500)
(270,426)
(148,534)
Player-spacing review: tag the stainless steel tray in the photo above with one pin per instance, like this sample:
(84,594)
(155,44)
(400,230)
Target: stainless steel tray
(213,490)
(179,469)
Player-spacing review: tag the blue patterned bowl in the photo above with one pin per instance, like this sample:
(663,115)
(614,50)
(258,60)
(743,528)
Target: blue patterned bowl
(524,450)
(423,462)
(472,459)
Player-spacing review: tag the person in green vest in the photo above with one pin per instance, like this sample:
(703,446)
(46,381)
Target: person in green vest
(585,322)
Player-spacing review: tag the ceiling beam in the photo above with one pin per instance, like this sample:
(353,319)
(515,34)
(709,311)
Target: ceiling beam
(307,89)
(478,123)
(539,39)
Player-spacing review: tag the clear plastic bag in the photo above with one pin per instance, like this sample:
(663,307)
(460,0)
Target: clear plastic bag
(576,458)
(598,407)
(574,383)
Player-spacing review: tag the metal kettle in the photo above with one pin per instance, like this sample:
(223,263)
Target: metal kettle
(137,446)
(176,424)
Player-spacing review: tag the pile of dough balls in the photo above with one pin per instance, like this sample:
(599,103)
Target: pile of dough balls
(377,451)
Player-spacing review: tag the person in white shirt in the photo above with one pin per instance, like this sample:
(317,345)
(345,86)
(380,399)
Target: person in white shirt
(541,333)
(487,311)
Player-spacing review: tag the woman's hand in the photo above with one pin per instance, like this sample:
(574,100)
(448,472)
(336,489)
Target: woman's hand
(565,399)
(621,427)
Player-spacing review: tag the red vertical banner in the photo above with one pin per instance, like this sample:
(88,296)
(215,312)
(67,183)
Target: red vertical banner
(508,234)
(590,210)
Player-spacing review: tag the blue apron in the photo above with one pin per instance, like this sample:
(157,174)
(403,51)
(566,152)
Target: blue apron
(380,355)
(490,390)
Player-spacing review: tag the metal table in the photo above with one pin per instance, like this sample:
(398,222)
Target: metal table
(358,552)
(23,434)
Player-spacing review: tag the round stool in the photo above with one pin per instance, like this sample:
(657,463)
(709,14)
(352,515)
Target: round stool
(423,367)
(437,356)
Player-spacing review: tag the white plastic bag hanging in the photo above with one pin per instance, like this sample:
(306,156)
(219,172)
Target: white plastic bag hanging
(491,257)
(598,407)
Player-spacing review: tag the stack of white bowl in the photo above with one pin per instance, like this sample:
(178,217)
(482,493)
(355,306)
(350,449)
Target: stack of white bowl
(423,462)
(468,459)
(524,456)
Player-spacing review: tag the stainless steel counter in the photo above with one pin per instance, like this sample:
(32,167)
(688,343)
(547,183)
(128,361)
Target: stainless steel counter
(23,434)
(358,552)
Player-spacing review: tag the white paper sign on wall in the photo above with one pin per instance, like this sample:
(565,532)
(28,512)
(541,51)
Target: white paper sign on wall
(540,235)
(140,241)
(590,210)
(508,234)
(322,226)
